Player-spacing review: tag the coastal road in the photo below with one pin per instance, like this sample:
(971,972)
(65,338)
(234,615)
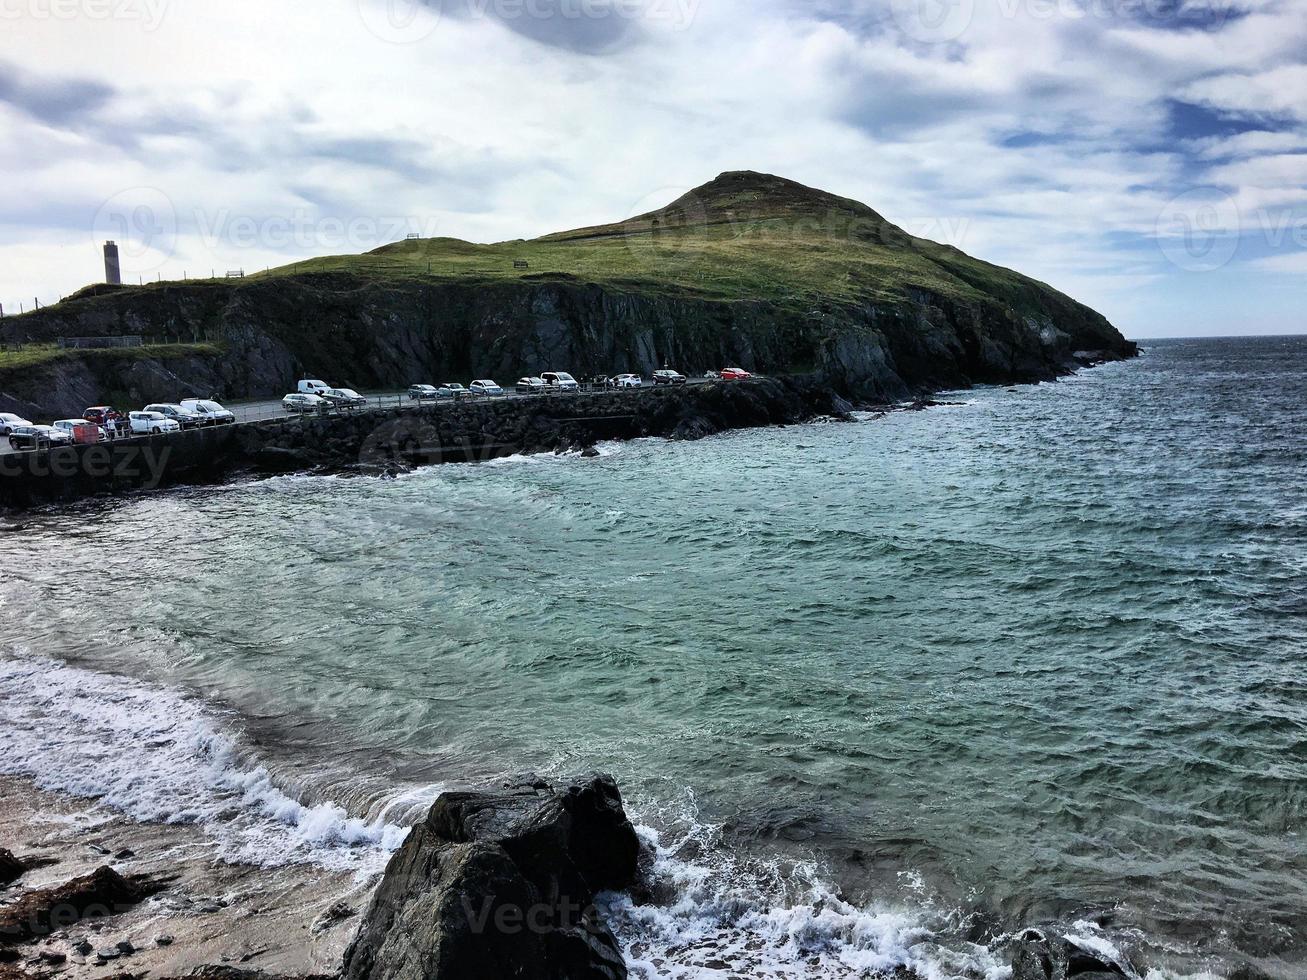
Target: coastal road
(271,408)
(262,410)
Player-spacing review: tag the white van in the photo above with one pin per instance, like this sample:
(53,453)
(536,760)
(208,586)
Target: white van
(311,387)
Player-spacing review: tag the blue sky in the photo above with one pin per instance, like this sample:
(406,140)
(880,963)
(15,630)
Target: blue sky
(1149,157)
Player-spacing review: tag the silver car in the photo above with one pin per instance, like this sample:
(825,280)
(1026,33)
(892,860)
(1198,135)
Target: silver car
(9,422)
(305,403)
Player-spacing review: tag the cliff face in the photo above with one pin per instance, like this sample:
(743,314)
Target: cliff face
(740,281)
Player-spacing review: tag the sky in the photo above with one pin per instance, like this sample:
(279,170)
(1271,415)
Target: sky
(1148,157)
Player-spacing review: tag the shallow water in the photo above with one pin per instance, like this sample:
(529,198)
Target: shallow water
(881,691)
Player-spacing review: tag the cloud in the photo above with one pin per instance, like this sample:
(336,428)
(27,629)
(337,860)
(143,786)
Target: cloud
(1274,94)
(1046,136)
(56,102)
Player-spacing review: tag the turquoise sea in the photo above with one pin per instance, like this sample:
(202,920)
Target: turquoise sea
(879,693)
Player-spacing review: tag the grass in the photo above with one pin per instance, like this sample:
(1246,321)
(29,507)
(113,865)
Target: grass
(742,237)
(37,355)
(771,261)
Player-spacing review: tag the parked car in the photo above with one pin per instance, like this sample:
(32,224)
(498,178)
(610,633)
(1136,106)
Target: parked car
(113,422)
(305,403)
(174,411)
(488,388)
(81,431)
(23,437)
(531,386)
(735,374)
(152,423)
(421,392)
(310,386)
(211,410)
(451,391)
(560,381)
(344,398)
(9,422)
(667,377)
(627,381)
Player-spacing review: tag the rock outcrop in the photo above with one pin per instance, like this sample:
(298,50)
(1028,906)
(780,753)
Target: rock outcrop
(502,885)
(102,893)
(11,869)
(1040,957)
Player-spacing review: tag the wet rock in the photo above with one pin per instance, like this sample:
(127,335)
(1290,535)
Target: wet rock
(338,913)
(83,947)
(503,884)
(53,958)
(102,893)
(590,452)
(163,940)
(108,953)
(1037,957)
(125,947)
(11,869)
(126,854)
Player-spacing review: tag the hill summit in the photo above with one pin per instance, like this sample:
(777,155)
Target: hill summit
(738,198)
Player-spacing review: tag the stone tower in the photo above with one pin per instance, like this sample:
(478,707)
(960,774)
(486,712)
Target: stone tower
(112,274)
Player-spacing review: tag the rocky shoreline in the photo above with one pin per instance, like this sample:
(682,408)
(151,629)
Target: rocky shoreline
(388,442)
(500,883)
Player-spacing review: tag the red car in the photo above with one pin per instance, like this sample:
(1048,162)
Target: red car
(110,419)
(736,374)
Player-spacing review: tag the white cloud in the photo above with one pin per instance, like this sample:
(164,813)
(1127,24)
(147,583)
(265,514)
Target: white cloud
(1038,140)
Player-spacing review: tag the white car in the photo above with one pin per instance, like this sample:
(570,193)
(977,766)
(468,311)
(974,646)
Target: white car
(151,423)
(627,381)
(80,430)
(485,388)
(211,410)
(560,381)
(451,391)
(305,403)
(9,422)
(310,386)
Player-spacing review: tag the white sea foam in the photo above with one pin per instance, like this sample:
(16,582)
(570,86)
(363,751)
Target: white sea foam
(723,917)
(154,754)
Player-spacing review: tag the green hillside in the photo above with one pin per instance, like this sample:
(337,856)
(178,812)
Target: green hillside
(742,236)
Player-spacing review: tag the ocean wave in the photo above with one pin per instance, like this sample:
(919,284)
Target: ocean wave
(157,755)
(719,914)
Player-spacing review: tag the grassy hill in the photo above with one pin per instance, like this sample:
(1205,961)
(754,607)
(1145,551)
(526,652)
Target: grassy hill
(744,236)
(750,269)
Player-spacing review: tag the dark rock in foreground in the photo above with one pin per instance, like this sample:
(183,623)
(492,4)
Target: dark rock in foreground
(1052,958)
(502,885)
(102,893)
(11,869)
